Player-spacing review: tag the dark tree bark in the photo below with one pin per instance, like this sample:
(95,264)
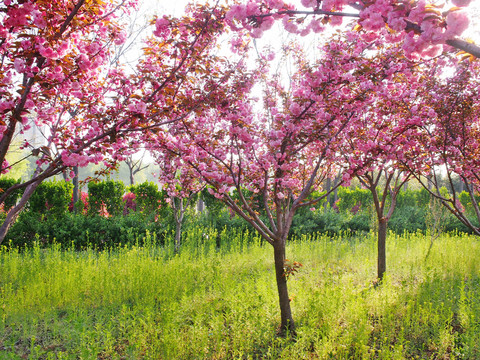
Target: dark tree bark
(393,184)
(328,186)
(287,325)
(381,248)
(76,189)
(15,211)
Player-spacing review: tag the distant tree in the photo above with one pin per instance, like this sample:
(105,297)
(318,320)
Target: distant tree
(382,138)
(449,145)
(182,186)
(285,151)
(135,166)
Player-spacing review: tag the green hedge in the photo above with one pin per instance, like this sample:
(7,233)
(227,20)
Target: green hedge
(353,213)
(51,198)
(86,231)
(350,198)
(148,198)
(106,195)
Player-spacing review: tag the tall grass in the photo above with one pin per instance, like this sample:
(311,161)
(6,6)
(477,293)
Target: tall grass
(205,303)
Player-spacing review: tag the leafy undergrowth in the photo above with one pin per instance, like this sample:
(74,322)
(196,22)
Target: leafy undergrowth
(145,303)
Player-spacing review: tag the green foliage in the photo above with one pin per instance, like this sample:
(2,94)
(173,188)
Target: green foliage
(220,220)
(359,223)
(81,231)
(146,303)
(212,204)
(51,198)
(466,201)
(413,198)
(349,198)
(408,218)
(255,199)
(17,158)
(148,197)
(106,195)
(411,215)
(6,183)
(328,222)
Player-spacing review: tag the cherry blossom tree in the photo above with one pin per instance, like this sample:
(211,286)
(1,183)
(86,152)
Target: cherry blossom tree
(381,140)
(50,69)
(182,186)
(450,141)
(424,27)
(285,151)
(135,165)
(384,199)
(56,75)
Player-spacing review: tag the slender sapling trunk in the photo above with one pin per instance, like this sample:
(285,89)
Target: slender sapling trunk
(287,325)
(381,247)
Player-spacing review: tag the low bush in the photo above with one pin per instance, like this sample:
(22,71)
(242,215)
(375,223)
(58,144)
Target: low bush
(148,198)
(82,231)
(408,219)
(106,197)
(51,198)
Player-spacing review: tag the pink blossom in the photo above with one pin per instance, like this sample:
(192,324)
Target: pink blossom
(336,20)
(5,166)
(461,3)
(433,51)
(46,52)
(457,23)
(6,105)
(19,65)
(29,104)
(290,26)
(120,38)
(295,109)
(309,3)
(39,19)
(162,27)
(316,26)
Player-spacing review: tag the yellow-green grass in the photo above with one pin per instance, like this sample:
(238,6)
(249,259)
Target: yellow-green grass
(205,303)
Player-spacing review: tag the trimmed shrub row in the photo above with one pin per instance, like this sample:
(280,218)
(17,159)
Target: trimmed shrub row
(113,214)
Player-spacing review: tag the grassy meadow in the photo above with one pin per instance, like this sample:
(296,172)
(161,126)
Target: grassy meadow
(204,303)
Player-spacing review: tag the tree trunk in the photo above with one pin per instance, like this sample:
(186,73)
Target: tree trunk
(128,161)
(15,211)
(335,192)
(328,187)
(287,324)
(382,239)
(200,205)
(76,190)
(178,235)
(178,213)
(132,180)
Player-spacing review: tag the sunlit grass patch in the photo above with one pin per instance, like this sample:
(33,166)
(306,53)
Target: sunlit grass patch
(206,303)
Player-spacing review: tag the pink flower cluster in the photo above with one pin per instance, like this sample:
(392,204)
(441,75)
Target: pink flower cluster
(423,27)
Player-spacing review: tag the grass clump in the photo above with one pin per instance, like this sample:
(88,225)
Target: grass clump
(149,303)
